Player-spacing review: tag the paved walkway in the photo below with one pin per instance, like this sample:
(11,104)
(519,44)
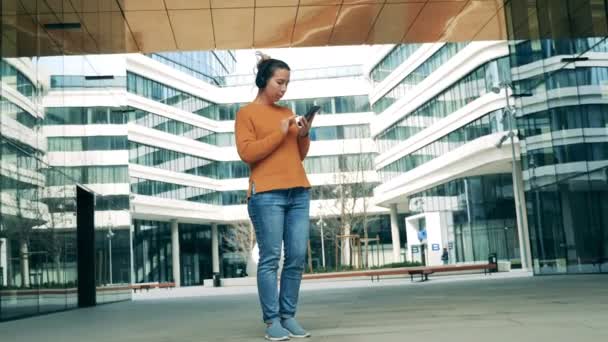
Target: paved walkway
(475,308)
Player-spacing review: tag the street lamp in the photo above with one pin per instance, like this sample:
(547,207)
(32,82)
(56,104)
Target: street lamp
(510,112)
(321,224)
(110,235)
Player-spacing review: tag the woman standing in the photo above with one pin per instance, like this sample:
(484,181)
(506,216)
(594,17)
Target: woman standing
(273,141)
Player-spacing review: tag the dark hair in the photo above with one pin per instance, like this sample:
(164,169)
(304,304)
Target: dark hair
(266,68)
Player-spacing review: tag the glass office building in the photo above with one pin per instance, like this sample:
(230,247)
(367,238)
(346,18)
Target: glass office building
(563,124)
(132,155)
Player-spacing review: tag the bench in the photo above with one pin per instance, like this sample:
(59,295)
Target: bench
(151,285)
(424,274)
(425,271)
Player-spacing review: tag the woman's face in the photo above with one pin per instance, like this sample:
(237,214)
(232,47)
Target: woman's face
(277,85)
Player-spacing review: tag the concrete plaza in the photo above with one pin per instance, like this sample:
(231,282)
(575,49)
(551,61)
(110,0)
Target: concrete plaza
(451,309)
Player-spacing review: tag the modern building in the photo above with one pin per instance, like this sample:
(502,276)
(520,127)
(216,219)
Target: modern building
(563,127)
(154,140)
(443,131)
(437,122)
(151,136)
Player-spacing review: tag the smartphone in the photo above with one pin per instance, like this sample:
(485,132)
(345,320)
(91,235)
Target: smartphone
(311,113)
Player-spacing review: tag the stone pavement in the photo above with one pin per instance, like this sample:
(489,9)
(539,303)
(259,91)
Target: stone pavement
(467,308)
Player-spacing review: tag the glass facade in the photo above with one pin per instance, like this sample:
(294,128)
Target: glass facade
(170,96)
(332,72)
(377,226)
(88,143)
(564,146)
(84,116)
(438,59)
(152,251)
(209,66)
(38,266)
(107,174)
(180,162)
(156,91)
(340,163)
(399,54)
(486,125)
(16,79)
(340,132)
(84,82)
(481,216)
(18,114)
(180,192)
(38,242)
(469,88)
(167,125)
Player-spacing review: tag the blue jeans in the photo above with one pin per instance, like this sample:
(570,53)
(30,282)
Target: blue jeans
(280,217)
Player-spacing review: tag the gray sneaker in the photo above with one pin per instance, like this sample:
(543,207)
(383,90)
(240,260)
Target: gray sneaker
(294,328)
(276,332)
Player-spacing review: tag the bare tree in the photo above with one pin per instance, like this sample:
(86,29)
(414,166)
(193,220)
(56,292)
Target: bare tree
(240,239)
(346,201)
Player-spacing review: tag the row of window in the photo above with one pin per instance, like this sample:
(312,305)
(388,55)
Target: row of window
(399,54)
(102,203)
(564,78)
(114,115)
(164,124)
(529,51)
(341,163)
(340,132)
(353,72)
(180,162)
(488,124)
(88,143)
(211,63)
(469,88)
(17,113)
(84,116)
(349,190)
(438,59)
(80,82)
(16,79)
(224,139)
(67,175)
(17,153)
(166,190)
(563,118)
(208,66)
(563,154)
(117,115)
(483,192)
(330,105)
(170,96)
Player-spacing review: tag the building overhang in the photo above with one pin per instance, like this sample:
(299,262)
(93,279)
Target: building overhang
(120,26)
(479,157)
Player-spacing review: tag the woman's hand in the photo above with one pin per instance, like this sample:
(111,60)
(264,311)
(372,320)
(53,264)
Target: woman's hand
(303,127)
(285,123)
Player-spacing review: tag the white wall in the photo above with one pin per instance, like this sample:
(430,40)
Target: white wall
(434,243)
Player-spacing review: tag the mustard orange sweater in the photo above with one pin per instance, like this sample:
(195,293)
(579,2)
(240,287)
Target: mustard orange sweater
(274,158)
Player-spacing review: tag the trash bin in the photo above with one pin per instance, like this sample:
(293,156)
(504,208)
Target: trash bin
(216,280)
(493,259)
